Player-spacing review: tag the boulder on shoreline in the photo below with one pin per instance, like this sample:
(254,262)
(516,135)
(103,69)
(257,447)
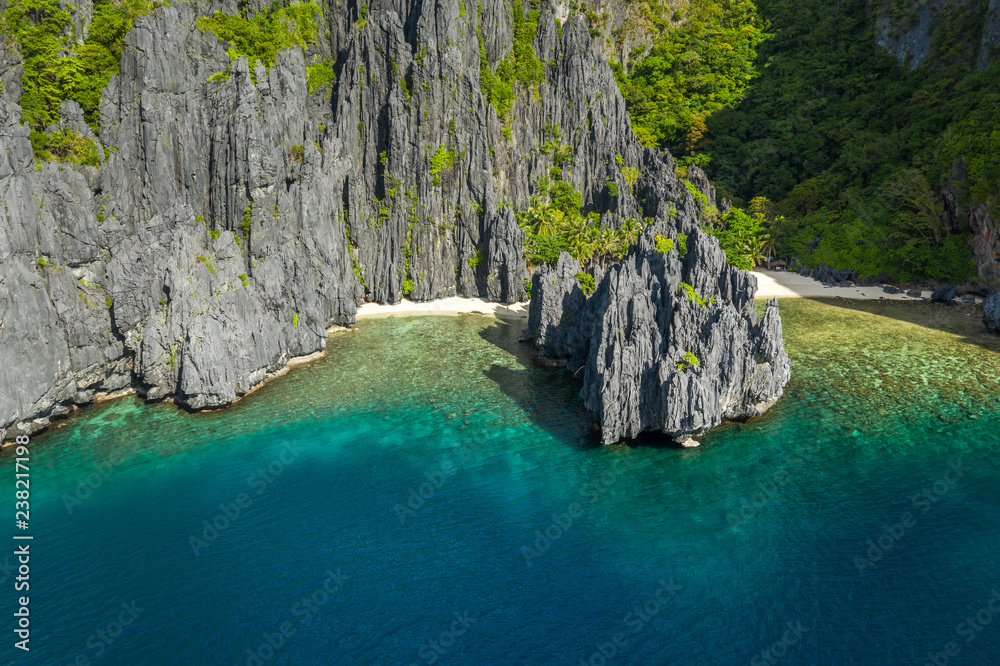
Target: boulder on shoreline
(991,313)
(943,294)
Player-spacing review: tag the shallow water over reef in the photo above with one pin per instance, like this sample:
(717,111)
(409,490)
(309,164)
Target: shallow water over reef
(424,494)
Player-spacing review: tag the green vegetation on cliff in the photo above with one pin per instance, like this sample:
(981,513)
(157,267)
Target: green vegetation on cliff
(443,160)
(520,67)
(318,74)
(57,67)
(65,146)
(265,35)
(553,223)
(693,70)
(853,148)
(743,238)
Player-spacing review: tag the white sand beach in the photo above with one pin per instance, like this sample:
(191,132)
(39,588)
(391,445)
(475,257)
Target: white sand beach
(445,306)
(783,284)
(770,284)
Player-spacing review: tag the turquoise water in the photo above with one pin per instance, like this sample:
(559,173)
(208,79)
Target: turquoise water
(423,494)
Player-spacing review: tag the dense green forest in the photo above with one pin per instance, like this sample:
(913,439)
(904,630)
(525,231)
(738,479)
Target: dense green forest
(702,64)
(806,110)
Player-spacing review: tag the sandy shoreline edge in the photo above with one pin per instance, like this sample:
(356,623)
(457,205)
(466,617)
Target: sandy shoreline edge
(454,305)
(770,284)
(784,284)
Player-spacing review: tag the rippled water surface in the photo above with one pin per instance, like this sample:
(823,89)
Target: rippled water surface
(423,494)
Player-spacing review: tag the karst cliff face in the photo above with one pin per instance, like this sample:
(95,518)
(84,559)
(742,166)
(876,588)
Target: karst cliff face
(670,340)
(235,218)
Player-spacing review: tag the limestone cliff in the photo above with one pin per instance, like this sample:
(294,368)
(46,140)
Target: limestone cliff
(235,215)
(670,340)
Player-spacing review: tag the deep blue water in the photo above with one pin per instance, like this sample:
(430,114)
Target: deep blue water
(424,495)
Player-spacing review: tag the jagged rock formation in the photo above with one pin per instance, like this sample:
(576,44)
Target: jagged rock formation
(666,343)
(697,177)
(234,220)
(625,28)
(991,35)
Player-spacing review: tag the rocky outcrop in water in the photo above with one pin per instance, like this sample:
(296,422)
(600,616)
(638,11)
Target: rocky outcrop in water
(991,313)
(234,218)
(668,342)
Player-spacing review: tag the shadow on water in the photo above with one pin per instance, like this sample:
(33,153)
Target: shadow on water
(959,319)
(655,440)
(549,397)
(878,349)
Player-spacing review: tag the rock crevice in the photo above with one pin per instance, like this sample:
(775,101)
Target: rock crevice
(237,215)
(666,343)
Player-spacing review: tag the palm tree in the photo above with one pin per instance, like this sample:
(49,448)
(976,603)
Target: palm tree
(606,244)
(542,219)
(621,244)
(768,246)
(583,240)
(631,228)
(754,251)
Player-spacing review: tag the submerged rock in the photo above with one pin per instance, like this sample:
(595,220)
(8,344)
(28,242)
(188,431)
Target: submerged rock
(667,343)
(991,313)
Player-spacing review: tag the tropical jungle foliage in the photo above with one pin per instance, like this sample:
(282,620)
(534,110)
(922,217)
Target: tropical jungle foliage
(853,148)
(58,68)
(695,69)
(553,224)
